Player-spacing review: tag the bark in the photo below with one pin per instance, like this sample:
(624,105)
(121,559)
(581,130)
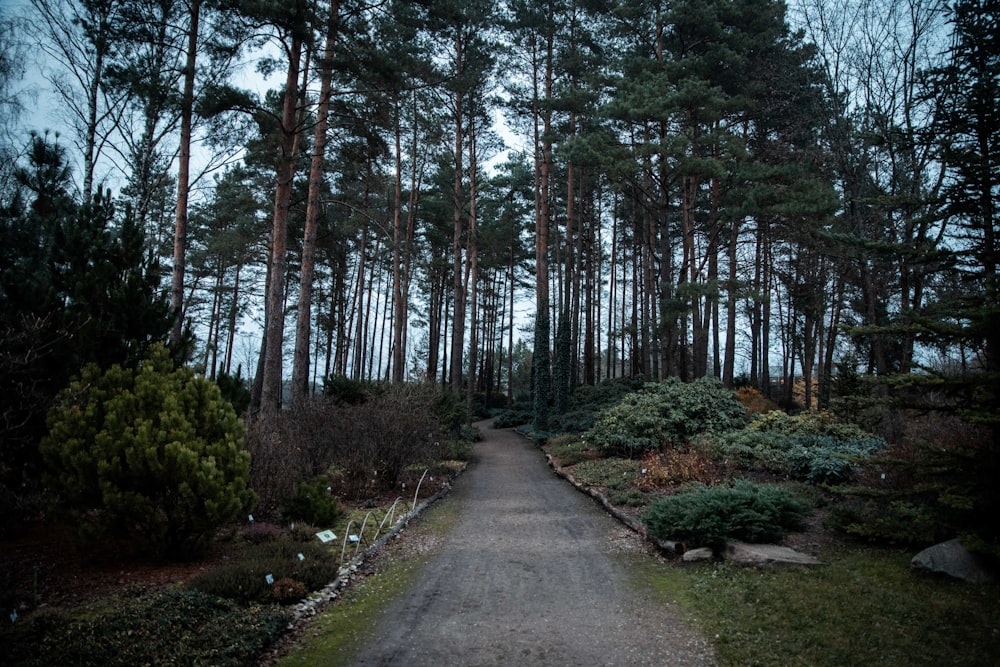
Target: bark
(270,399)
(183,178)
(303,322)
(458,202)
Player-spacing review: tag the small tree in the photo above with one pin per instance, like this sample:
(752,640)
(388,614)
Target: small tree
(154,453)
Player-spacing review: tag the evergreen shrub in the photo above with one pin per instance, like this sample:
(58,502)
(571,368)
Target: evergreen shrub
(710,516)
(665,413)
(512,418)
(312,502)
(811,447)
(155,454)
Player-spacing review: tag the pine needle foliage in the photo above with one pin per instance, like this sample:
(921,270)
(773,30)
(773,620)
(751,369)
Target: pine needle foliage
(710,516)
(153,454)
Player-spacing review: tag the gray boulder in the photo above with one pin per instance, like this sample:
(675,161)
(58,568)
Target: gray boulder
(952,559)
(766,555)
(696,555)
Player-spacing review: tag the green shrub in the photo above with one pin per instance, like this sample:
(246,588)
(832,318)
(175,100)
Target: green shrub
(245,580)
(665,413)
(512,418)
(709,516)
(806,423)
(880,519)
(153,454)
(170,627)
(805,455)
(234,389)
(823,459)
(313,502)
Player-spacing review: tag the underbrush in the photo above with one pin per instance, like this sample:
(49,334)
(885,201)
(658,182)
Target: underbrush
(362,437)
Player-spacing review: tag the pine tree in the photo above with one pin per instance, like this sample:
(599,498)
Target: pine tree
(78,285)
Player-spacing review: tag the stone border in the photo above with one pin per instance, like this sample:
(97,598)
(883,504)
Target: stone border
(316,600)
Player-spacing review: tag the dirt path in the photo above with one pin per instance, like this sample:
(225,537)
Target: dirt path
(529,576)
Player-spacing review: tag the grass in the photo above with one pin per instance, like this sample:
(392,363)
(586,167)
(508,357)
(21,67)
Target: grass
(339,631)
(864,607)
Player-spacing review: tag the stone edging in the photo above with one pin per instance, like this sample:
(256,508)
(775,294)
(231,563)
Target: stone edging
(318,599)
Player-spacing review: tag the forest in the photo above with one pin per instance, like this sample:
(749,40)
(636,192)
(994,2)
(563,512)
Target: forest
(505,199)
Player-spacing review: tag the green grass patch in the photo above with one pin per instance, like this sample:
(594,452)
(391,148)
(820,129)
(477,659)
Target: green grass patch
(864,608)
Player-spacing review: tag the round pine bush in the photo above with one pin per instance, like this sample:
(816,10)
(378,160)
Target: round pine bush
(665,413)
(313,502)
(153,454)
(709,516)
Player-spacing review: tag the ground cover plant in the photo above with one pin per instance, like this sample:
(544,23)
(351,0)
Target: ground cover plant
(145,627)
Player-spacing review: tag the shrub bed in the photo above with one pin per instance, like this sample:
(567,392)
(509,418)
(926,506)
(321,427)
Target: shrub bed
(812,447)
(246,580)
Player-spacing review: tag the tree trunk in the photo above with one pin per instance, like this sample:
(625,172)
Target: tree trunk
(314,206)
(183,178)
(270,399)
(458,202)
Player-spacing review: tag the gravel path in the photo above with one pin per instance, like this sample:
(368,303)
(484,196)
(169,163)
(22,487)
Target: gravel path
(530,575)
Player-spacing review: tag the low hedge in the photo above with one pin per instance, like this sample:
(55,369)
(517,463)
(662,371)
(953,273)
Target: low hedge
(710,516)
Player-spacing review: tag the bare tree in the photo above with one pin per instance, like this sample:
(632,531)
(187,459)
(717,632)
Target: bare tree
(77,38)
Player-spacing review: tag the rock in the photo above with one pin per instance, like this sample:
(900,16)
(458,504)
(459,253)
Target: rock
(766,555)
(698,555)
(952,559)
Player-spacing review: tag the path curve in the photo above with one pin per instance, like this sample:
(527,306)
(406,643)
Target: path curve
(528,576)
